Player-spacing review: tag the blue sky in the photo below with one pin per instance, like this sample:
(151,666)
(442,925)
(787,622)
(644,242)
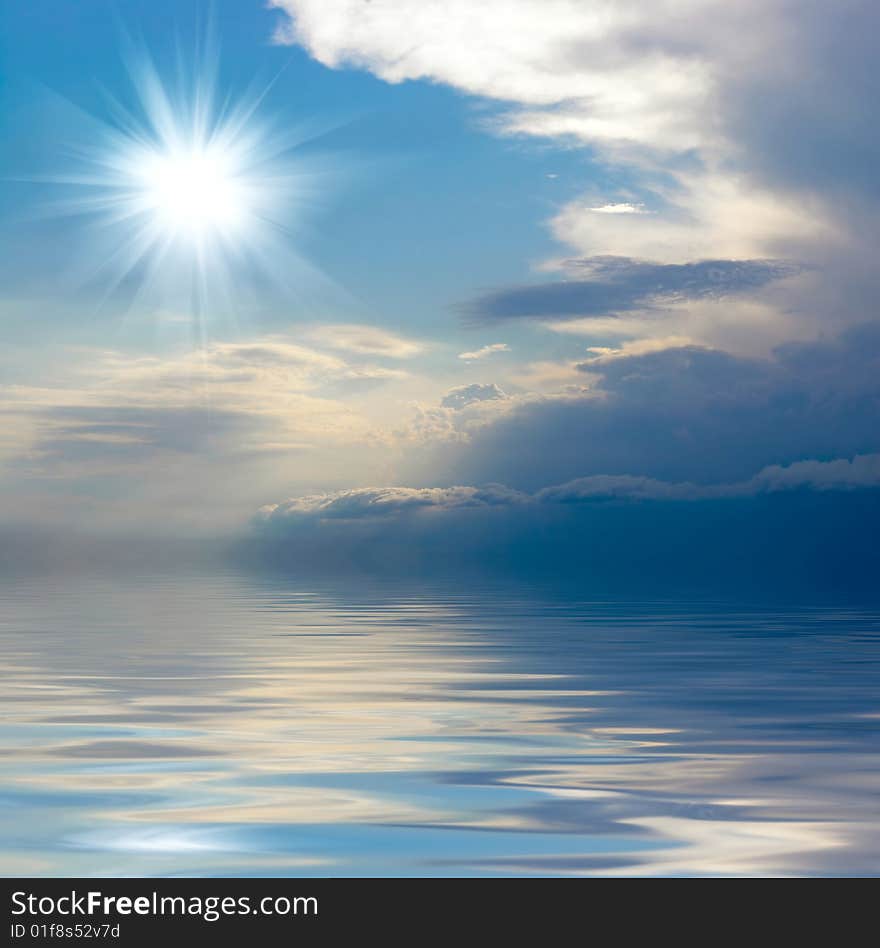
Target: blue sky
(404,155)
(592,253)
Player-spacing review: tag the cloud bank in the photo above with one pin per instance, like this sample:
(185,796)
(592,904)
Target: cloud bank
(805,530)
(682,467)
(675,413)
(859,473)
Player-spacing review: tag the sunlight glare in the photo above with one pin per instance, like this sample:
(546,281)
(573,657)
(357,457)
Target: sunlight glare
(194,192)
(196,196)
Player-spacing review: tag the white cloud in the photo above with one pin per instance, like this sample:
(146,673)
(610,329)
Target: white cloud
(567,67)
(484,351)
(635,347)
(744,327)
(465,395)
(549,376)
(389,501)
(622,208)
(709,107)
(705,213)
(365,340)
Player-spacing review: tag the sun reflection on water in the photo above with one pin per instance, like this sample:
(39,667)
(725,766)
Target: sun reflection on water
(207,725)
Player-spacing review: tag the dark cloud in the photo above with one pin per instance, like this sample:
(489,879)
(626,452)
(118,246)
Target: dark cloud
(805,119)
(784,532)
(601,286)
(686,469)
(862,472)
(679,414)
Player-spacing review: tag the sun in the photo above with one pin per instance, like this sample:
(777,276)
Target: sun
(195,193)
(192,170)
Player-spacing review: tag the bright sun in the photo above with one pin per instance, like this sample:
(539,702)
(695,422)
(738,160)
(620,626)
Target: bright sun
(194,192)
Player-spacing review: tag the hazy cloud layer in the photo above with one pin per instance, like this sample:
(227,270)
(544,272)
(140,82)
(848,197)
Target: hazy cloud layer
(365,340)
(110,434)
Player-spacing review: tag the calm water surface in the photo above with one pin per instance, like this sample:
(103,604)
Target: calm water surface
(221,725)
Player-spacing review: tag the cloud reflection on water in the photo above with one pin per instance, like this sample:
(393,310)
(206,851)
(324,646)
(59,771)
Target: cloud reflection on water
(226,725)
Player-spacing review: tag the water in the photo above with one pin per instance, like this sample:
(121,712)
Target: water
(223,725)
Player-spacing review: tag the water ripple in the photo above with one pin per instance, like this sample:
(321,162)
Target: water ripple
(227,725)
